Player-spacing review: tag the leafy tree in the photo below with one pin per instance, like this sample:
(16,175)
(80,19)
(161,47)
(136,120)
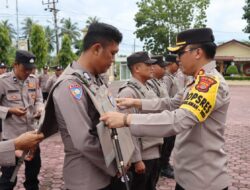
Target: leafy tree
(5,44)
(232,70)
(27,25)
(39,45)
(91,20)
(9,27)
(158,21)
(70,29)
(50,37)
(65,55)
(246,16)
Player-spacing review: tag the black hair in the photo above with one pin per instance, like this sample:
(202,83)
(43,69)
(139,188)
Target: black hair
(101,33)
(209,48)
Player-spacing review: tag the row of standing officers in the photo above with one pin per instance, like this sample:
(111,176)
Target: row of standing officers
(164,106)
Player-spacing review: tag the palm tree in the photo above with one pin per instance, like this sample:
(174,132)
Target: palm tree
(91,20)
(9,27)
(70,29)
(50,37)
(27,24)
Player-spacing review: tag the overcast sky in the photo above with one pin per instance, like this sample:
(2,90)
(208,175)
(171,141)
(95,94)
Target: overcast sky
(224,16)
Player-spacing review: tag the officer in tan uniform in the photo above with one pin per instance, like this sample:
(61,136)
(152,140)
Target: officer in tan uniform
(21,103)
(145,161)
(43,78)
(77,116)
(26,141)
(199,156)
(3,70)
(52,79)
(157,83)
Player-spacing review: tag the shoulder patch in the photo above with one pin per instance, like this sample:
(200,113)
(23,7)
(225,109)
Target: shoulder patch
(76,91)
(201,98)
(205,83)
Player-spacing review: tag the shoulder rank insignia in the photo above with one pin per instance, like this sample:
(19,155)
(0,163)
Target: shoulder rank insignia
(205,83)
(76,91)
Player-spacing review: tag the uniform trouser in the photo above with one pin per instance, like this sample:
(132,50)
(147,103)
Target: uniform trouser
(0,129)
(117,184)
(178,187)
(32,169)
(45,95)
(147,180)
(166,150)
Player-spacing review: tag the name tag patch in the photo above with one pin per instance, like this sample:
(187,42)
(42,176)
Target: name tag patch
(76,91)
(201,99)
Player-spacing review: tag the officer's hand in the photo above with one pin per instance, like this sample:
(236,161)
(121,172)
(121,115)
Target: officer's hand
(18,111)
(114,119)
(124,103)
(37,114)
(140,167)
(28,140)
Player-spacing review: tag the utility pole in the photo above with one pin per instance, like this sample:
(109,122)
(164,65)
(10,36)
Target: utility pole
(17,25)
(51,6)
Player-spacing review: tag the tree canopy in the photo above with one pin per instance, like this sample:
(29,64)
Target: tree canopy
(65,55)
(5,44)
(246,16)
(159,21)
(39,45)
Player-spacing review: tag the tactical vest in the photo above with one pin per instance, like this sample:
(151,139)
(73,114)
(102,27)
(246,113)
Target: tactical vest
(103,102)
(144,93)
(155,85)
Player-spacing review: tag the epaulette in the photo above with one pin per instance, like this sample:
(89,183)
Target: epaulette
(5,75)
(32,76)
(132,85)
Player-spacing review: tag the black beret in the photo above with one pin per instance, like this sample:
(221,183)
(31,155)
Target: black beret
(159,60)
(57,67)
(26,58)
(2,65)
(193,36)
(171,58)
(139,57)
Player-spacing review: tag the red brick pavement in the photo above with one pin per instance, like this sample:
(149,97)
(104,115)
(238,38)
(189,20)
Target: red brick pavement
(237,146)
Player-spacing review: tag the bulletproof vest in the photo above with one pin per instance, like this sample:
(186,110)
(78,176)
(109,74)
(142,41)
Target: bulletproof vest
(144,93)
(103,102)
(156,86)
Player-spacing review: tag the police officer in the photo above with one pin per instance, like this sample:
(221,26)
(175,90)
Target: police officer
(157,83)
(199,158)
(145,161)
(163,89)
(3,69)
(21,103)
(52,79)
(26,141)
(77,115)
(43,78)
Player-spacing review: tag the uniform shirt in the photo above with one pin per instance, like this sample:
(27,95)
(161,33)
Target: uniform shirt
(146,148)
(84,164)
(199,157)
(50,82)
(7,153)
(175,82)
(42,81)
(16,93)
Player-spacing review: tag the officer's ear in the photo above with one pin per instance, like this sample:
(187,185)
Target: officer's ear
(96,49)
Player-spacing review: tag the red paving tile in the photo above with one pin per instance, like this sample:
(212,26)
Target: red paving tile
(237,146)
